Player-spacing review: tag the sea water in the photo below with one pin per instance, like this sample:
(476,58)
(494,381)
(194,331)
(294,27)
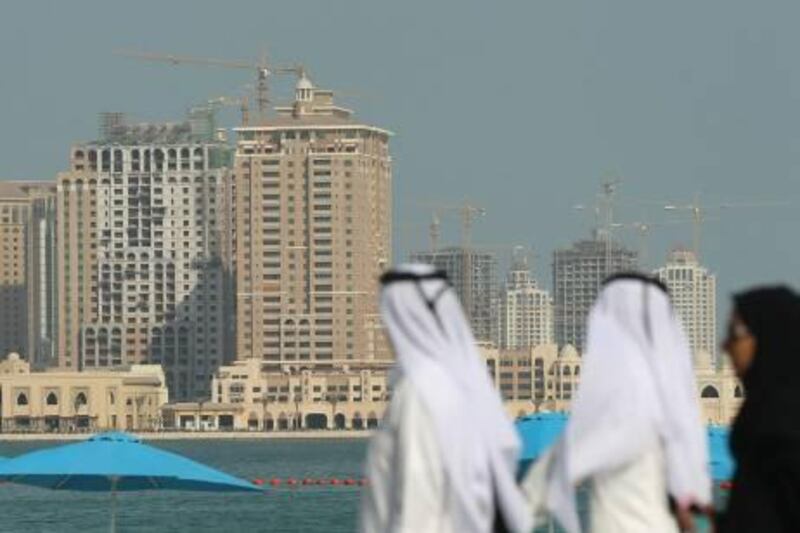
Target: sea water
(330,509)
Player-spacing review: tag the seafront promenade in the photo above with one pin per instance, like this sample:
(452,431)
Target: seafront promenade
(199,435)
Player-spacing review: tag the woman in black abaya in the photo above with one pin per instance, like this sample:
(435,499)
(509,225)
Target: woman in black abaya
(764,347)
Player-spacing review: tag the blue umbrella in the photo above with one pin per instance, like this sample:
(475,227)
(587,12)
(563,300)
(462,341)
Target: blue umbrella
(540,431)
(115,462)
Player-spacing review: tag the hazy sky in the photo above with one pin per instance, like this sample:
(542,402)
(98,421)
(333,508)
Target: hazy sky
(520,106)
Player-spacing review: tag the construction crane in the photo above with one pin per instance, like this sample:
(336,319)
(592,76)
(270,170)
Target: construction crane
(468,214)
(263,70)
(604,215)
(643,230)
(435,231)
(241,101)
(698,214)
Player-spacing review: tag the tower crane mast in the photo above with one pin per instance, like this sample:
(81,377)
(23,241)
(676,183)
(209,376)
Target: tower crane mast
(467,212)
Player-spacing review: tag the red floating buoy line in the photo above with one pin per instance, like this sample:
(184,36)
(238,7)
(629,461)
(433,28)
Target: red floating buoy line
(310,482)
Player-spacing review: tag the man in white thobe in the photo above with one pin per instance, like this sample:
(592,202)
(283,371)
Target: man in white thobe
(446,455)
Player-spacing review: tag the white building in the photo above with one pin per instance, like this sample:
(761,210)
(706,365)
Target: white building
(526,311)
(141,249)
(694,294)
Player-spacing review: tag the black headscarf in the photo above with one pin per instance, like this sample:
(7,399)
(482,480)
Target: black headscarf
(772,315)
(766,434)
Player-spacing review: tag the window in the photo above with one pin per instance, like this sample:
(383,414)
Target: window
(52,399)
(22,399)
(709,392)
(80,399)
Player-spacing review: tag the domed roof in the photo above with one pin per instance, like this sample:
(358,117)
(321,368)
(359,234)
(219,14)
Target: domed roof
(568,352)
(13,356)
(304,83)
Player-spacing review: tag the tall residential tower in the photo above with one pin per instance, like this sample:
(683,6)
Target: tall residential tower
(27,270)
(312,212)
(141,221)
(526,311)
(694,294)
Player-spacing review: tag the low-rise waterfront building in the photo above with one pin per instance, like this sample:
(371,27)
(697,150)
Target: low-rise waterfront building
(721,393)
(541,378)
(249,395)
(127,398)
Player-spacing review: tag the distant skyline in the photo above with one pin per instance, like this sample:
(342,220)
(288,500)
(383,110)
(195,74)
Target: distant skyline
(520,107)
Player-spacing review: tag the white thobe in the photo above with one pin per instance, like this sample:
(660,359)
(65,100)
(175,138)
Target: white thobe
(629,499)
(408,491)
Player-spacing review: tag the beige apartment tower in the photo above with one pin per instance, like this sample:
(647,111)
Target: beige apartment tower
(526,310)
(693,290)
(27,270)
(142,221)
(312,210)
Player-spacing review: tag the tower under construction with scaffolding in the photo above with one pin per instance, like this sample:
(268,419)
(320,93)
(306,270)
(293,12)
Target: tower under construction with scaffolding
(579,271)
(142,246)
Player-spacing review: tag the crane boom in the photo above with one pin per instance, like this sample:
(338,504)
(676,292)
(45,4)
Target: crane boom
(189,60)
(263,69)
(698,213)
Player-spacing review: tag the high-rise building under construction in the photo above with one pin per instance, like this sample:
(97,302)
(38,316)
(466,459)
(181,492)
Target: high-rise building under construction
(312,211)
(578,273)
(142,220)
(473,274)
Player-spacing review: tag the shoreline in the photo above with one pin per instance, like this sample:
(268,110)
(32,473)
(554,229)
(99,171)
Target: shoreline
(197,435)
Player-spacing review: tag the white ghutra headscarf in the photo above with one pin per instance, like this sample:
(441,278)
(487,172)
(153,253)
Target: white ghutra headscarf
(637,387)
(436,353)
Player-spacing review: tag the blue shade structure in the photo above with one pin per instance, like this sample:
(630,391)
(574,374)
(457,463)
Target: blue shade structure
(722,464)
(116,461)
(540,431)
(112,462)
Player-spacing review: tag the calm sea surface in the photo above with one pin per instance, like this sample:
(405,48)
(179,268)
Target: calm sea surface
(328,509)
(319,509)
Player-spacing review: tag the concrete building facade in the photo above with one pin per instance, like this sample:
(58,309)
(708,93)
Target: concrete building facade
(720,391)
(128,398)
(142,222)
(578,274)
(27,270)
(525,311)
(535,378)
(249,396)
(312,212)
(473,275)
(693,290)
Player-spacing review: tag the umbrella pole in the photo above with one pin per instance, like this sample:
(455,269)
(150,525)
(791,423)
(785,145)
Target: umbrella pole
(113,528)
